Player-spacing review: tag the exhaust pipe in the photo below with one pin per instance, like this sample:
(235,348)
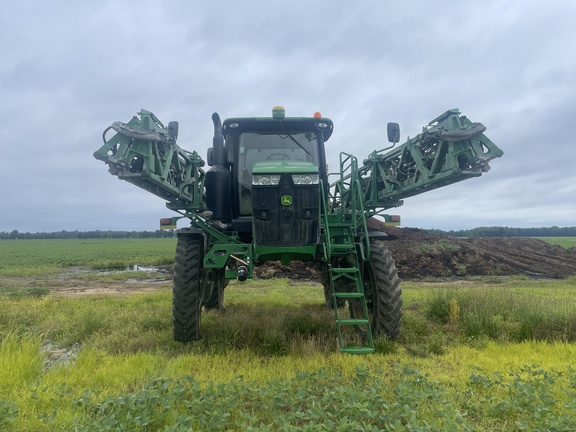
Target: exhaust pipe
(218,178)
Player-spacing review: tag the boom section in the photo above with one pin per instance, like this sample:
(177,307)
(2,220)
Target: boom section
(144,152)
(450,149)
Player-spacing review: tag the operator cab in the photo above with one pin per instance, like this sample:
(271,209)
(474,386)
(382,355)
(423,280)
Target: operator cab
(270,145)
(254,147)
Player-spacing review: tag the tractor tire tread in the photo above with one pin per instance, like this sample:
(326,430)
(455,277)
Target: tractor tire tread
(187,289)
(388,292)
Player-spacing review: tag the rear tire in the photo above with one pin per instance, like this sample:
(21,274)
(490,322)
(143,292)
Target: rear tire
(216,299)
(187,287)
(383,293)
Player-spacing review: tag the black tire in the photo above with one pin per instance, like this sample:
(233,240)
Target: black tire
(187,287)
(383,293)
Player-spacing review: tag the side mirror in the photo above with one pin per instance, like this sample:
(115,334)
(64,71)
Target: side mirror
(393,132)
(210,156)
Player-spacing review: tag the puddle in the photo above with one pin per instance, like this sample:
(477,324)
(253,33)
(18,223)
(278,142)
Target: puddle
(133,268)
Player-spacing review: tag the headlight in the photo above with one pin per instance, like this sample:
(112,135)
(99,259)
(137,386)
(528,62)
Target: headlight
(305,179)
(265,180)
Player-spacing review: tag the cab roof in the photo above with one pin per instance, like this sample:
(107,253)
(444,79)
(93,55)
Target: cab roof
(287,124)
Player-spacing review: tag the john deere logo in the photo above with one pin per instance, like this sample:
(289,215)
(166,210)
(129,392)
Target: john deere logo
(286,200)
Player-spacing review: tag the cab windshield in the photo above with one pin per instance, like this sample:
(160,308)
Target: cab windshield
(256,147)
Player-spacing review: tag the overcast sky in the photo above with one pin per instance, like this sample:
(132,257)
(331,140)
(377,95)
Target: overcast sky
(68,69)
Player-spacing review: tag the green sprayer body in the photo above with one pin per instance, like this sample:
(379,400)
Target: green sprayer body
(268,196)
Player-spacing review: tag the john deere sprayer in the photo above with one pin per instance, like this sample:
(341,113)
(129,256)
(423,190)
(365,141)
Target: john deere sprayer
(267,196)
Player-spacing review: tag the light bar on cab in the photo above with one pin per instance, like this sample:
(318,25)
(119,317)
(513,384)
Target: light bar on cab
(305,179)
(266,180)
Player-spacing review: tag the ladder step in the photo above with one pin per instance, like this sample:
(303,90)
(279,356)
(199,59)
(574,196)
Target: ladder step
(341,252)
(353,321)
(357,350)
(339,224)
(349,295)
(344,270)
(342,246)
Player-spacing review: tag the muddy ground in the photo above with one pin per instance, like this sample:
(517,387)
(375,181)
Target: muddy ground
(419,254)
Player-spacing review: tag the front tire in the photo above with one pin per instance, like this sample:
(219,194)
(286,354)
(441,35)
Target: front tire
(187,287)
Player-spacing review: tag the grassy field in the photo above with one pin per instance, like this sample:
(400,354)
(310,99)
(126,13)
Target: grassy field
(567,242)
(29,257)
(474,354)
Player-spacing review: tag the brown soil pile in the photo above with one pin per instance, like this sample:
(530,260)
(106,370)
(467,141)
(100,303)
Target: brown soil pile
(419,254)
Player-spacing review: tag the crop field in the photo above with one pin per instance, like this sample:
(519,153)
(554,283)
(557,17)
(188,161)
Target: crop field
(19,257)
(567,242)
(487,353)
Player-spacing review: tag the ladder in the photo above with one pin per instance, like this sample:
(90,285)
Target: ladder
(344,254)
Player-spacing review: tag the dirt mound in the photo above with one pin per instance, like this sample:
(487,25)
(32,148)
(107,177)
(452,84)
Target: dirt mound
(420,254)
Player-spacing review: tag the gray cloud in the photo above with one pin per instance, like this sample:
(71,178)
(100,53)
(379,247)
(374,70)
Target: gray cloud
(69,69)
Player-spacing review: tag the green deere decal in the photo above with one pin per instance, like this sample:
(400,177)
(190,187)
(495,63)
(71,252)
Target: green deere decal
(286,200)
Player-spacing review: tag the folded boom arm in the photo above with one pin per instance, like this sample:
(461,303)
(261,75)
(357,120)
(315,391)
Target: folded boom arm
(144,153)
(450,149)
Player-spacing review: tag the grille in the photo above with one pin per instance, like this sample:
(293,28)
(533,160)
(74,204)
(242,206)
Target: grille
(294,224)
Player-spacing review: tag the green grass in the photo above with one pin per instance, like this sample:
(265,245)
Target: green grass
(270,362)
(38,257)
(475,354)
(567,242)
(507,313)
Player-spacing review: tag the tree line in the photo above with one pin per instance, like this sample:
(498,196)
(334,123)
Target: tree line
(497,231)
(15,234)
(494,231)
